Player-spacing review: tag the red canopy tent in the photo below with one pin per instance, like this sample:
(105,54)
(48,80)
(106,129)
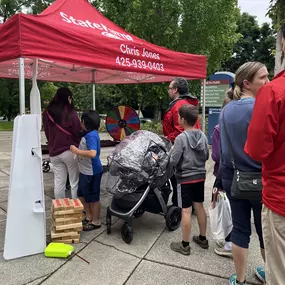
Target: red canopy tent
(73,42)
(71,38)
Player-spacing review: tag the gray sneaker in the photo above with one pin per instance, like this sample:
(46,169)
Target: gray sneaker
(202,243)
(220,243)
(223,252)
(178,247)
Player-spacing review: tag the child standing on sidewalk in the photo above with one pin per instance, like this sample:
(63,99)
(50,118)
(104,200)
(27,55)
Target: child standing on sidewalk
(90,170)
(189,156)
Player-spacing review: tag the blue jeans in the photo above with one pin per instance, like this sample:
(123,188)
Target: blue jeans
(241,215)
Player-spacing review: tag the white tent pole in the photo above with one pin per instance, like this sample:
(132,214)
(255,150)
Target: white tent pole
(22,85)
(35,97)
(204,106)
(94,96)
(93,90)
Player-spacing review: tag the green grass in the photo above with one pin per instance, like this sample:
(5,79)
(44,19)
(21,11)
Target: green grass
(6,126)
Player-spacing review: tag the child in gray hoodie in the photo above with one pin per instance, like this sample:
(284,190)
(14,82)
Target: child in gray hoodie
(189,156)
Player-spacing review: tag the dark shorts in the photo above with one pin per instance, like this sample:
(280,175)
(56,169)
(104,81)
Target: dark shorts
(189,193)
(89,187)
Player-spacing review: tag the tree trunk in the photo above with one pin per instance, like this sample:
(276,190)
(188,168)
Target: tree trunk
(157,113)
(278,55)
(9,113)
(140,110)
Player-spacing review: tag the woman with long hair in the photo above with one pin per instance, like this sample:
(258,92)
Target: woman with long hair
(62,129)
(234,121)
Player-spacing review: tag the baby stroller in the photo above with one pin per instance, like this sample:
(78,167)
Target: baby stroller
(45,159)
(139,173)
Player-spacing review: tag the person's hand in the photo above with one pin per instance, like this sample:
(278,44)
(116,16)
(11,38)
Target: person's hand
(74,149)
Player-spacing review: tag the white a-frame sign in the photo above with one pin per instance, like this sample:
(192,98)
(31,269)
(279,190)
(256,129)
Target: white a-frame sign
(26,224)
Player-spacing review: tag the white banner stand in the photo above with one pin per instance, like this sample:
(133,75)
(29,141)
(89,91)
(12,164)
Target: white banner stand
(26,223)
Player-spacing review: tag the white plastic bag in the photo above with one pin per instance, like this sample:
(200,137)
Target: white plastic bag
(221,217)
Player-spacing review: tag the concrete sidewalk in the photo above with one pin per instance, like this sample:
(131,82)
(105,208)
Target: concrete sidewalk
(147,260)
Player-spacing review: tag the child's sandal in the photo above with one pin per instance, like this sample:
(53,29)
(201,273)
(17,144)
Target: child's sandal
(85,222)
(90,227)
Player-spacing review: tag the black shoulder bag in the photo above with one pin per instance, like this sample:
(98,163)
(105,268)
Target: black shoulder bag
(246,185)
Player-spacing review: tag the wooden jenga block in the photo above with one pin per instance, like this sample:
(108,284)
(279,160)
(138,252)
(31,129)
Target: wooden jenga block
(70,226)
(55,235)
(64,212)
(78,229)
(77,205)
(77,236)
(57,224)
(57,205)
(66,222)
(67,204)
(68,219)
(68,240)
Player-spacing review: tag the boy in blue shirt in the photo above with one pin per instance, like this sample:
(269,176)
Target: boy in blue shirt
(90,169)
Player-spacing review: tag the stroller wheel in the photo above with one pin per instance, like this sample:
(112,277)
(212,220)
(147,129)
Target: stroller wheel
(138,213)
(173,218)
(127,233)
(46,166)
(108,223)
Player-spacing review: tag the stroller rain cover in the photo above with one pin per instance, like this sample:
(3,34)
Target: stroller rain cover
(136,160)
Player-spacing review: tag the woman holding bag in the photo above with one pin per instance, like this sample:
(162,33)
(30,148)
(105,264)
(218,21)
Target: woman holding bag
(62,129)
(234,121)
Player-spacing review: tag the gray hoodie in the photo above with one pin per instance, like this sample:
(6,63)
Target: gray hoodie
(189,156)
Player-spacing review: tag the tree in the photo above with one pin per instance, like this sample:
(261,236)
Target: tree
(47,91)
(265,48)
(202,27)
(255,44)
(209,28)
(9,97)
(277,14)
(10,7)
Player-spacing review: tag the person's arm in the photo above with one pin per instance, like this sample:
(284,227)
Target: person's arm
(176,128)
(176,152)
(263,126)
(216,145)
(207,152)
(92,145)
(46,125)
(219,180)
(84,153)
(76,126)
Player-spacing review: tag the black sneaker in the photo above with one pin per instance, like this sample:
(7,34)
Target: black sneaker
(202,243)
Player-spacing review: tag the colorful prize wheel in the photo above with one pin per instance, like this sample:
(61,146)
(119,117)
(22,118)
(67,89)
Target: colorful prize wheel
(121,121)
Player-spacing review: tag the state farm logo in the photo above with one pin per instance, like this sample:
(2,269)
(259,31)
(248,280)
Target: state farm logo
(110,35)
(107,32)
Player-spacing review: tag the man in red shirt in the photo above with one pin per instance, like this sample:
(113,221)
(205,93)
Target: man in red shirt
(178,91)
(266,143)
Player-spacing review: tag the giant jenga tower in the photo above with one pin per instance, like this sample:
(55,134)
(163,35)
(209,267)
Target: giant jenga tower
(66,220)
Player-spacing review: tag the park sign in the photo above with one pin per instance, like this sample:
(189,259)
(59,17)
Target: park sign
(215,92)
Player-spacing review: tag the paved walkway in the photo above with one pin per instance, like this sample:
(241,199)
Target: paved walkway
(146,261)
